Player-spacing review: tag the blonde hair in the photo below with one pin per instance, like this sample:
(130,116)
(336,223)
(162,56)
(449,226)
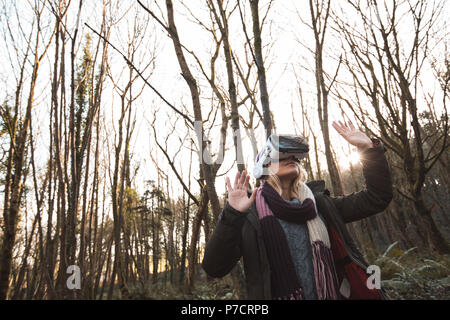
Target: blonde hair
(274,181)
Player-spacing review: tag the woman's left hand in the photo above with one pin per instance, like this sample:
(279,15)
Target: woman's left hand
(352,135)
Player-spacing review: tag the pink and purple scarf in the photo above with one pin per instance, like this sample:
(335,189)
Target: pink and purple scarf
(284,281)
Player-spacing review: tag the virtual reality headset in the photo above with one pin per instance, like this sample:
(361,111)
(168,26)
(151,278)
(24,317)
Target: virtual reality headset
(279,147)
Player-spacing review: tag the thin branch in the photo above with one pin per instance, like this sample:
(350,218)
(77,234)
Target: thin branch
(142,77)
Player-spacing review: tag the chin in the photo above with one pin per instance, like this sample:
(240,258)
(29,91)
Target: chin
(289,173)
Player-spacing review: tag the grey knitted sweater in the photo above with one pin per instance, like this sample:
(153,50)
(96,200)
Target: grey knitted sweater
(297,236)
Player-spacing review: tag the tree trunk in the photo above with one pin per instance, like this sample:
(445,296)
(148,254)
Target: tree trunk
(267,118)
(435,241)
(15,162)
(322,94)
(192,84)
(192,257)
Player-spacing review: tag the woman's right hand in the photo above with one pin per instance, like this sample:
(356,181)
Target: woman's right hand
(237,196)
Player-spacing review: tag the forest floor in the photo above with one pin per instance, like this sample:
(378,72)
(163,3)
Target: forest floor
(415,277)
(405,276)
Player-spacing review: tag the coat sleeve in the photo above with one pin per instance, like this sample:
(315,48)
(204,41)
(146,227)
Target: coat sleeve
(223,249)
(377,194)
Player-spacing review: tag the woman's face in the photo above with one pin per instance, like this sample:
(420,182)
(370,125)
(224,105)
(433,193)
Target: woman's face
(286,168)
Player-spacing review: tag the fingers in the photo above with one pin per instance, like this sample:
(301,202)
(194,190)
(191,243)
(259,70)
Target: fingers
(343,126)
(253,196)
(242,179)
(236,179)
(247,179)
(228,184)
(337,127)
(351,125)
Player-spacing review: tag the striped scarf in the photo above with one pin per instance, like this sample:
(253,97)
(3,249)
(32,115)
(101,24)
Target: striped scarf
(285,284)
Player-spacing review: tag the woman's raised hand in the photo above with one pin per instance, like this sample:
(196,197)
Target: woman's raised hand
(237,195)
(352,135)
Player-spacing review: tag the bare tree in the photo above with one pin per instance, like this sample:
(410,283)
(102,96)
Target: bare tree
(258,58)
(388,72)
(18,132)
(320,13)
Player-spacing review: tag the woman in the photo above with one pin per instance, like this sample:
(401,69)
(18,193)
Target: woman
(292,235)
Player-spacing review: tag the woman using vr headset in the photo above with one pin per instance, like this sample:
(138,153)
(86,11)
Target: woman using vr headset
(291,233)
